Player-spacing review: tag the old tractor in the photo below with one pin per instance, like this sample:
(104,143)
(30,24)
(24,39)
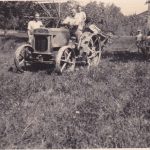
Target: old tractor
(57,46)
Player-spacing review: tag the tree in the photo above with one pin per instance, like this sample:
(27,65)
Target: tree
(16,14)
(107,17)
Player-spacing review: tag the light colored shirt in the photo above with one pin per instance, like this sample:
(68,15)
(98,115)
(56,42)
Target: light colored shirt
(69,20)
(80,20)
(34,25)
(82,16)
(139,37)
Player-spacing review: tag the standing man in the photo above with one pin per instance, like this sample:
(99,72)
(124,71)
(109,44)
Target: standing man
(32,25)
(139,37)
(80,18)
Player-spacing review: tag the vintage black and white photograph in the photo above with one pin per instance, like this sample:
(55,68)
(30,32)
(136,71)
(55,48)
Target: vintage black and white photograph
(74,74)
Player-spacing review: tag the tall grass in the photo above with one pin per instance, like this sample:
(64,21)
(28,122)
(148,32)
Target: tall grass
(105,107)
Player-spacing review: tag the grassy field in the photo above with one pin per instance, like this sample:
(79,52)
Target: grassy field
(105,107)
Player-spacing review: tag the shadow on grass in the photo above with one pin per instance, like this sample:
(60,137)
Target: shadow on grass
(35,68)
(124,56)
(49,68)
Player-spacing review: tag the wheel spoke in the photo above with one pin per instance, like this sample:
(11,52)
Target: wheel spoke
(65,55)
(95,41)
(91,41)
(68,56)
(21,63)
(93,47)
(65,61)
(92,55)
(64,65)
(66,52)
(21,55)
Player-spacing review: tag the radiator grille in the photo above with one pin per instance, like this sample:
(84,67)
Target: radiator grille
(41,43)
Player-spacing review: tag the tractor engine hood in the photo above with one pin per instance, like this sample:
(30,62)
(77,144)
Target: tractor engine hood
(59,36)
(41,31)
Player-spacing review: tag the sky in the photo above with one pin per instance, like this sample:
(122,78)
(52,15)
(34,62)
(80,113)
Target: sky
(128,7)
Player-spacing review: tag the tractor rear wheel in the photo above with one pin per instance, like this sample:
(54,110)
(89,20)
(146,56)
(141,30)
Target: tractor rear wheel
(65,59)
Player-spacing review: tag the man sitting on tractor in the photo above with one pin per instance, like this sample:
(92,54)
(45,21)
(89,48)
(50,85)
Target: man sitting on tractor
(32,25)
(76,21)
(70,22)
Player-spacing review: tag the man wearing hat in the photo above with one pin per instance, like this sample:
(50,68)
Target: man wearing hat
(32,25)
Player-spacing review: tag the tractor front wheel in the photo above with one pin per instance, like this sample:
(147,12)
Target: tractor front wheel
(21,55)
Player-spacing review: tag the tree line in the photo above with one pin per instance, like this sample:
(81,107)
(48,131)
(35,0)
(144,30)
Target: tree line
(15,15)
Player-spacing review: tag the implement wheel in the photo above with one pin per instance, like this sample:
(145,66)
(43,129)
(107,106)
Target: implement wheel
(94,56)
(65,60)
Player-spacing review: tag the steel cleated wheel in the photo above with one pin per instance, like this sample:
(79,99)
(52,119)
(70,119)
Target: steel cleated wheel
(92,46)
(65,60)
(21,55)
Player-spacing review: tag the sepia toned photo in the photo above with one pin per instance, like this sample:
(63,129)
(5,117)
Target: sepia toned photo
(74,74)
